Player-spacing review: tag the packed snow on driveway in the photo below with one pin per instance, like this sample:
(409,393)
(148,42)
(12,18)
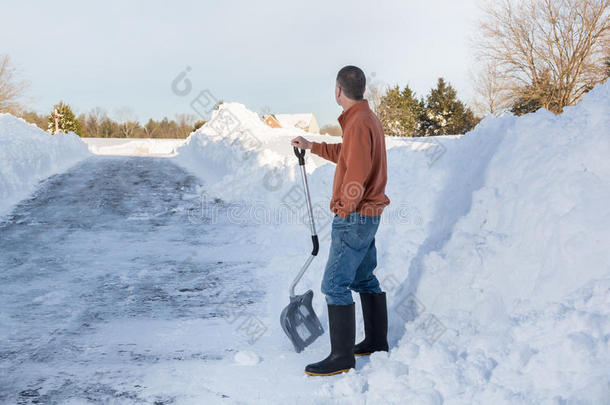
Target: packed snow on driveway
(107,279)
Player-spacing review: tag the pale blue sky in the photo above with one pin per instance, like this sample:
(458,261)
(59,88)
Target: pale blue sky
(280,54)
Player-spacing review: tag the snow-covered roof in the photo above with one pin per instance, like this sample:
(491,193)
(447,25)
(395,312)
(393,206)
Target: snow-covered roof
(295,120)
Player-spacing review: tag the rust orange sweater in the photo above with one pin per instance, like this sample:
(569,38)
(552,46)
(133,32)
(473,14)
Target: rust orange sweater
(361,173)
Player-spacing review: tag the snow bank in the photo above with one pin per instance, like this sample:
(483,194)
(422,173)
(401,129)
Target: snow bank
(241,158)
(519,272)
(28,155)
(237,155)
(134,147)
(493,253)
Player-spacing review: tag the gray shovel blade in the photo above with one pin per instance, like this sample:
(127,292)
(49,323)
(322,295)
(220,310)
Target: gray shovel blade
(300,322)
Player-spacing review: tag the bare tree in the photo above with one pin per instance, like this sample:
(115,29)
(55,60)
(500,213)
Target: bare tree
(549,51)
(265,110)
(375,90)
(128,128)
(92,121)
(150,128)
(40,120)
(97,113)
(186,120)
(491,90)
(11,88)
(607,52)
(128,121)
(185,123)
(125,113)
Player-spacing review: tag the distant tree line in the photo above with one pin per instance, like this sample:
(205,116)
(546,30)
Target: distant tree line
(97,124)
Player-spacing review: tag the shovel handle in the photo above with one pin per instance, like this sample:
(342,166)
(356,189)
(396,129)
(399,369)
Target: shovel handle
(300,155)
(316,245)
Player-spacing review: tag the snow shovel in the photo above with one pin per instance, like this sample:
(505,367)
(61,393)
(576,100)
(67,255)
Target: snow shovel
(298,319)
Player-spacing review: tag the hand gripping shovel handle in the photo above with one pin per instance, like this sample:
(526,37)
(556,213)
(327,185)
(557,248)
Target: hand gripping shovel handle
(314,237)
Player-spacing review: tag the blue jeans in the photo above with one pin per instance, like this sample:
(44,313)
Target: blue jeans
(352,259)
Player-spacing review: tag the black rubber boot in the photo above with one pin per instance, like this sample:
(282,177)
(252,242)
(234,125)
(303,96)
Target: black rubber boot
(342,328)
(375,314)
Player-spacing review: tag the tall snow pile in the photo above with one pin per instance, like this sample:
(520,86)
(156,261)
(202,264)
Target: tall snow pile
(28,155)
(493,252)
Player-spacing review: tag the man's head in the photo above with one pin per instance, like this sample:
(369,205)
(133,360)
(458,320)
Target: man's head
(350,86)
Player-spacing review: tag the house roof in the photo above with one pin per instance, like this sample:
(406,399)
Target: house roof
(294,120)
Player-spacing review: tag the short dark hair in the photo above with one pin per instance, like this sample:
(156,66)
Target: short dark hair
(352,81)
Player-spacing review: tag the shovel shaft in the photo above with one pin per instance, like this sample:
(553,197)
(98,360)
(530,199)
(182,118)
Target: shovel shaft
(299,275)
(312,226)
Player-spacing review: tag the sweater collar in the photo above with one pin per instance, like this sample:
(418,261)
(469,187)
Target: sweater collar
(352,111)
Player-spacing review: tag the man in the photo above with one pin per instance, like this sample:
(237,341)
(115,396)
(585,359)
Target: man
(357,201)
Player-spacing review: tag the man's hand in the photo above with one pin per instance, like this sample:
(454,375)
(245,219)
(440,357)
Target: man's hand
(301,143)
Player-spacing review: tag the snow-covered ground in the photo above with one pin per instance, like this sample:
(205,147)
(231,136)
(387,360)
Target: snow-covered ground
(134,147)
(28,155)
(130,280)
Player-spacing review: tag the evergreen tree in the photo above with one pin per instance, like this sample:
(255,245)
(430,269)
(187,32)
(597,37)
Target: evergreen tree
(444,114)
(399,112)
(540,94)
(67,122)
(469,120)
(414,109)
(525,105)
